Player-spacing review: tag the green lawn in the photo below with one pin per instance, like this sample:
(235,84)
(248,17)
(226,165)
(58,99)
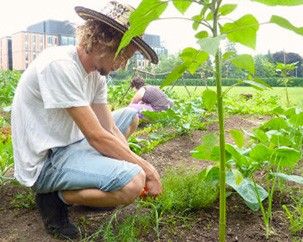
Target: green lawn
(295,93)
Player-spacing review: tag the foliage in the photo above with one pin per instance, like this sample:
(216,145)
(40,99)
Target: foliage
(258,103)
(212,18)
(295,214)
(129,227)
(183,117)
(8,83)
(185,190)
(271,81)
(274,146)
(264,67)
(6,158)
(284,70)
(288,58)
(119,95)
(24,199)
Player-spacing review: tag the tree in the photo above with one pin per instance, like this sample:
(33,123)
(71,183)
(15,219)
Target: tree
(167,63)
(263,66)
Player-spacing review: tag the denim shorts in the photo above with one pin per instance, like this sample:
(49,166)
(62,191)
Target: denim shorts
(80,166)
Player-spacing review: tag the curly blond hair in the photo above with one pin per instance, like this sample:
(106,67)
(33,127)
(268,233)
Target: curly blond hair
(95,34)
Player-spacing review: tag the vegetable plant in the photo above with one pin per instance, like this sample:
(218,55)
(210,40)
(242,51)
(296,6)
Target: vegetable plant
(213,25)
(284,70)
(274,146)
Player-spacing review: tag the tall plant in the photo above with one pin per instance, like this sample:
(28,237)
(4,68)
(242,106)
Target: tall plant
(211,29)
(284,70)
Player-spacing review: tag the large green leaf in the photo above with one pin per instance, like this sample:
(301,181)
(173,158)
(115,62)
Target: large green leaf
(193,58)
(293,178)
(258,135)
(211,45)
(284,23)
(297,119)
(258,84)
(243,31)
(280,2)
(174,75)
(247,191)
(260,153)
(227,9)
(285,156)
(182,6)
(245,62)
(201,35)
(279,139)
(237,175)
(145,13)
(209,99)
(210,173)
(204,151)
(240,159)
(238,137)
(275,124)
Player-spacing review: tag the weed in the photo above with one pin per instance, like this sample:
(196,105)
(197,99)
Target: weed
(26,199)
(184,190)
(295,214)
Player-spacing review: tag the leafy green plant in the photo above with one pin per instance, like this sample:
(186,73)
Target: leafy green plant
(274,146)
(212,26)
(123,91)
(284,70)
(123,226)
(6,159)
(8,83)
(25,199)
(181,119)
(295,215)
(258,104)
(183,116)
(185,190)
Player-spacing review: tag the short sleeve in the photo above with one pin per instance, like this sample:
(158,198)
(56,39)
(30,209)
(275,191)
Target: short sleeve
(100,90)
(62,85)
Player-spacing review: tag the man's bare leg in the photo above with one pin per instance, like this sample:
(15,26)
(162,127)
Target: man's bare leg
(97,198)
(132,128)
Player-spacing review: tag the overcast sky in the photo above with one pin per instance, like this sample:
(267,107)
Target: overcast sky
(16,15)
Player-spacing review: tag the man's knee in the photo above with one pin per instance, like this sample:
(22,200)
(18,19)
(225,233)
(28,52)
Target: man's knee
(133,189)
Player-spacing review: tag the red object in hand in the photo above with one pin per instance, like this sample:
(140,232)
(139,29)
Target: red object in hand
(144,193)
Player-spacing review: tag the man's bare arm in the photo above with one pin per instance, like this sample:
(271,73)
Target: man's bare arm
(109,145)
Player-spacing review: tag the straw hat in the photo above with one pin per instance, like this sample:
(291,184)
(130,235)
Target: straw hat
(117,16)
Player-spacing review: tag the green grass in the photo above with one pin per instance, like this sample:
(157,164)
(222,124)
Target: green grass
(295,93)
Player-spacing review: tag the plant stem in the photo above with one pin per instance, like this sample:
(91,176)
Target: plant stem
(222,223)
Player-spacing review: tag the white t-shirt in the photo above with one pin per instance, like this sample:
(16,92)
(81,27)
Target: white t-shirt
(54,81)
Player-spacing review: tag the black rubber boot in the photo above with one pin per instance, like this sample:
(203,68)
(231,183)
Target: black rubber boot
(55,216)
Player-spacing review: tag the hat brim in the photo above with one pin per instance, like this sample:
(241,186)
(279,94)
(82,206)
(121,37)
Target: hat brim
(143,47)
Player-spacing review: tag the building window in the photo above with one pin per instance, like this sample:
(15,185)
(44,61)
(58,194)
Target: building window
(49,41)
(26,42)
(34,43)
(41,43)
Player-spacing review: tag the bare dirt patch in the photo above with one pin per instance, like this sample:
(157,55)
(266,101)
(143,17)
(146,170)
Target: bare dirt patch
(21,224)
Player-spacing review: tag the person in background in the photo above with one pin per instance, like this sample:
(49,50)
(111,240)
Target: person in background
(68,146)
(148,97)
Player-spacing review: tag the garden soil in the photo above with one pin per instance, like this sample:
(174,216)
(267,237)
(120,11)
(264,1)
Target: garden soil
(21,224)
